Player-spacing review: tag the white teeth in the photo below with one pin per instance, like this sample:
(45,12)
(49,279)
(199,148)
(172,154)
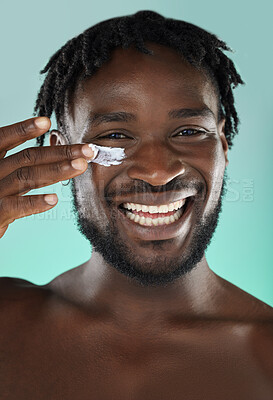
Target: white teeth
(142,220)
(154,221)
(148,221)
(160,221)
(179,213)
(131,216)
(176,205)
(164,208)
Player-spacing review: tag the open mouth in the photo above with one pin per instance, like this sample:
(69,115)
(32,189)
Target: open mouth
(150,215)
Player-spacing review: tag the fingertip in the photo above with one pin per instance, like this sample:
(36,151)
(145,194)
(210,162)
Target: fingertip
(51,199)
(42,123)
(88,151)
(94,149)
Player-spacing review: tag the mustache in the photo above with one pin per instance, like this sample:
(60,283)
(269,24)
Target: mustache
(138,186)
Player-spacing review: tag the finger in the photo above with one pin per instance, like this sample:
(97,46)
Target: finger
(43,155)
(28,178)
(3,230)
(16,134)
(14,207)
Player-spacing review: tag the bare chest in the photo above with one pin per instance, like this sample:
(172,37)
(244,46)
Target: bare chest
(61,362)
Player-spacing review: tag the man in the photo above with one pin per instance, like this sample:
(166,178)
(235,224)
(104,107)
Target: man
(145,317)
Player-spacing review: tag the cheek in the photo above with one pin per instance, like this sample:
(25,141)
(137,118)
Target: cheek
(101,178)
(214,174)
(87,192)
(208,161)
(96,180)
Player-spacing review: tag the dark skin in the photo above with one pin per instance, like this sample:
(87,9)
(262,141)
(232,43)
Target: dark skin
(92,332)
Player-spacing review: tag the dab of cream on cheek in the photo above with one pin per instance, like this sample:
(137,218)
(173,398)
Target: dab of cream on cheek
(107,155)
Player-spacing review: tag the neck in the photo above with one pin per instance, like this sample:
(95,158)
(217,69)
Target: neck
(97,285)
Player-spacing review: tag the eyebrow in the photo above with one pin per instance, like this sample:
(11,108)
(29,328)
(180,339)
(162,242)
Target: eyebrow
(191,112)
(96,119)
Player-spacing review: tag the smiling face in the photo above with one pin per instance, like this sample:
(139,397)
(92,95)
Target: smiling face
(164,113)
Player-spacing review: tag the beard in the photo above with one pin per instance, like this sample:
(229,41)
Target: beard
(158,270)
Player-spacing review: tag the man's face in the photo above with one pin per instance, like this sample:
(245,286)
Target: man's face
(171,156)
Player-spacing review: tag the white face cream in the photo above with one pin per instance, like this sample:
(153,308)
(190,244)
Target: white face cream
(107,155)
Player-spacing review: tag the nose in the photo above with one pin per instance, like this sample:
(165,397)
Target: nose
(155,164)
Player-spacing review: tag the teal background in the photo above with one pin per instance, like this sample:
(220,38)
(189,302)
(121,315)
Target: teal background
(42,246)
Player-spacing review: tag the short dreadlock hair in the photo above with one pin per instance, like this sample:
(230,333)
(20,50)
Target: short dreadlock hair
(83,55)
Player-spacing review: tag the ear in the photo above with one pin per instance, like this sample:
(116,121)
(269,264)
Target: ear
(221,130)
(57,138)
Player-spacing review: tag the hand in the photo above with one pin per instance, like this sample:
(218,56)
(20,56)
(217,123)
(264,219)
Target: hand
(33,168)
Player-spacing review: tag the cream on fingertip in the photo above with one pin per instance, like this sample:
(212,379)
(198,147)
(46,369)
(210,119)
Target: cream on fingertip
(107,156)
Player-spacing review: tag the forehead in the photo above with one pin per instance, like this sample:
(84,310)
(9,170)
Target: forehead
(144,84)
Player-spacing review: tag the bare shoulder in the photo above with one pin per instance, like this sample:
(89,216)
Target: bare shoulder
(8,282)
(245,310)
(19,299)
(261,347)
(242,306)
(17,289)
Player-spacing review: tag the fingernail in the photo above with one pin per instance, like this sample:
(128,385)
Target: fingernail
(94,148)
(87,151)
(42,123)
(79,163)
(51,199)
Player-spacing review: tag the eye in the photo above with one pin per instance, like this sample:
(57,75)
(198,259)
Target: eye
(190,132)
(114,135)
